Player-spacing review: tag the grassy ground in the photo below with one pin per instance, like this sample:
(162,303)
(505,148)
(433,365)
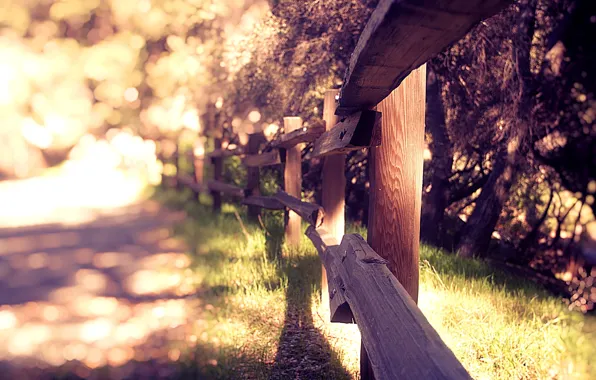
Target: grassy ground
(263,317)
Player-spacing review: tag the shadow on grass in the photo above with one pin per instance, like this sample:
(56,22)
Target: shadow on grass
(275,335)
(303,352)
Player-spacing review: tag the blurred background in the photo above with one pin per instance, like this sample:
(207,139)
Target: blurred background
(92,92)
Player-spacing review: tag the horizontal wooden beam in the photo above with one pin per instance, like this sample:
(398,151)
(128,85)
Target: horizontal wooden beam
(400,36)
(327,247)
(225,153)
(189,182)
(359,130)
(269,203)
(225,188)
(302,135)
(310,212)
(262,159)
(398,338)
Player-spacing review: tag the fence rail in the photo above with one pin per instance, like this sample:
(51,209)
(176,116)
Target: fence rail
(377,289)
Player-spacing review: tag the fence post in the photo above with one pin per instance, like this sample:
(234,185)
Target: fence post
(217,175)
(196,158)
(293,181)
(333,185)
(211,129)
(396,185)
(253,173)
(176,157)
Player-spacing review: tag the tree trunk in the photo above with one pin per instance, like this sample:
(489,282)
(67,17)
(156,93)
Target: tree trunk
(436,201)
(478,230)
(476,234)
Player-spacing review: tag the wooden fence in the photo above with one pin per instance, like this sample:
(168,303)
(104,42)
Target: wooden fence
(381,106)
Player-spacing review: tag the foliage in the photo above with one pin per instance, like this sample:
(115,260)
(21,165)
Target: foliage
(516,101)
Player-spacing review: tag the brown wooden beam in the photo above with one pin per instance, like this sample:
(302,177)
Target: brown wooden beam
(221,153)
(400,36)
(359,130)
(327,246)
(262,159)
(269,203)
(310,212)
(222,187)
(302,135)
(399,340)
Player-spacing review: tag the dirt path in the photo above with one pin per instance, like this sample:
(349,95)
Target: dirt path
(91,287)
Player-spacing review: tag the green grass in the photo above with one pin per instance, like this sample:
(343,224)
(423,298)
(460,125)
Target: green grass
(262,316)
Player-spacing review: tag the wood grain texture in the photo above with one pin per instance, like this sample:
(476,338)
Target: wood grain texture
(302,135)
(396,181)
(262,159)
(293,181)
(359,130)
(269,203)
(333,186)
(310,212)
(400,36)
(400,342)
(222,187)
(327,246)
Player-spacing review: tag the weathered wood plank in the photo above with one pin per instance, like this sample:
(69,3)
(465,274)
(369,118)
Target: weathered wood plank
(191,184)
(312,213)
(359,130)
(222,153)
(222,187)
(400,36)
(262,159)
(327,246)
(269,203)
(399,340)
(302,135)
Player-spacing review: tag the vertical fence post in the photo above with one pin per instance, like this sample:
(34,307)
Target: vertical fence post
(333,185)
(253,173)
(293,181)
(176,158)
(217,175)
(198,163)
(212,128)
(396,185)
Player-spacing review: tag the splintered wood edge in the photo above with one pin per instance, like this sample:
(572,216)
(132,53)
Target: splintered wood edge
(311,212)
(262,159)
(327,247)
(298,136)
(356,131)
